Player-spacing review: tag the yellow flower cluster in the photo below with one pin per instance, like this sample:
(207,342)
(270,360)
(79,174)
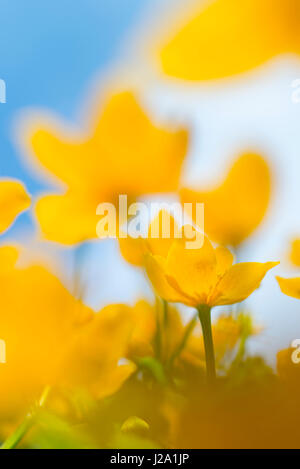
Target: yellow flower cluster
(146,375)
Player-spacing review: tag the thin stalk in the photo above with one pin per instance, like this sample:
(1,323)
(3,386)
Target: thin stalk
(158,333)
(165,313)
(18,435)
(13,440)
(204,312)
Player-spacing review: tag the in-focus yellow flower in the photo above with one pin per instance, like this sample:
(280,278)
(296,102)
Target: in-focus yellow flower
(53,339)
(295,252)
(235,208)
(221,38)
(13,200)
(134,250)
(203,276)
(125,153)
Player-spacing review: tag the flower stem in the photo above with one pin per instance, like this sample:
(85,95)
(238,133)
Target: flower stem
(13,440)
(204,312)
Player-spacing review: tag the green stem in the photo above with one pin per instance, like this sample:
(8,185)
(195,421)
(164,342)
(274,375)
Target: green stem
(165,313)
(13,440)
(204,312)
(158,333)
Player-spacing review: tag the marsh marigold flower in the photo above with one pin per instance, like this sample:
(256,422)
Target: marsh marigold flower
(295,252)
(13,200)
(124,153)
(134,250)
(235,208)
(200,277)
(221,38)
(291,286)
(53,339)
(204,276)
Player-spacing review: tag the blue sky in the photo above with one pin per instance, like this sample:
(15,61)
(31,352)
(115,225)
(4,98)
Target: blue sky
(49,52)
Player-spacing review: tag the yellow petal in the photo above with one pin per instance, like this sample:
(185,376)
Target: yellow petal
(236,208)
(295,252)
(162,231)
(239,282)
(66,218)
(40,321)
(290,286)
(226,333)
(60,153)
(145,323)
(133,250)
(156,270)
(13,200)
(123,153)
(220,38)
(114,380)
(193,271)
(139,157)
(224,260)
(8,257)
(93,360)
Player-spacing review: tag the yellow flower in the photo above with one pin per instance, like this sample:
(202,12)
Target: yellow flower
(53,339)
(93,356)
(290,286)
(295,253)
(124,153)
(134,250)
(235,208)
(201,277)
(222,38)
(204,276)
(13,200)
(145,324)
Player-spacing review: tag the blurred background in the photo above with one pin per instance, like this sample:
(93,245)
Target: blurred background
(53,53)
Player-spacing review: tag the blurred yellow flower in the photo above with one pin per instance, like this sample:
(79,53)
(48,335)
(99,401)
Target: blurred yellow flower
(53,339)
(204,276)
(92,361)
(13,200)
(221,38)
(290,286)
(145,324)
(295,252)
(235,208)
(125,153)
